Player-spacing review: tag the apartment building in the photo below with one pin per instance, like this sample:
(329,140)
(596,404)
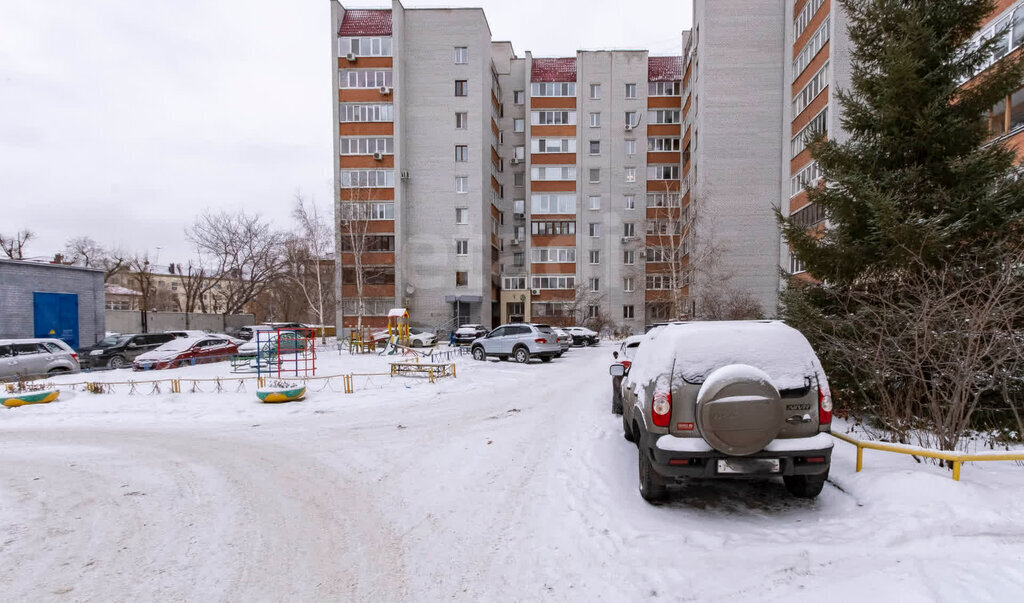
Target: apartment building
(478,185)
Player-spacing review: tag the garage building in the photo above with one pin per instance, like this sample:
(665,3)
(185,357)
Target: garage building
(51,300)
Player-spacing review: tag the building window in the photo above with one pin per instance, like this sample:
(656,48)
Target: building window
(594,284)
(461,279)
(367,145)
(367,178)
(553,118)
(461,55)
(519,124)
(810,49)
(365,78)
(365,47)
(663,172)
(595,256)
(595,201)
(663,116)
(595,91)
(354,112)
(519,260)
(630,147)
(553,172)
(518,97)
(629,257)
(553,145)
(630,90)
(627,284)
(808,176)
(817,125)
(796,266)
(552,204)
(657,144)
(375,210)
(595,147)
(811,90)
(547,228)
(462,215)
(461,153)
(629,201)
(462,247)
(631,120)
(595,120)
(802,20)
(594,229)
(631,174)
(553,89)
(461,121)
(595,175)
(462,184)
(461,87)
(593,311)
(627,311)
(519,178)
(553,255)
(663,88)
(628,229)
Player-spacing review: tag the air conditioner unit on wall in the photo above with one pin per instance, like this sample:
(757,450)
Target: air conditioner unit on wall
(385,90)
(351,57)
(515,161)
(378,156)
(535,291)
(515,241)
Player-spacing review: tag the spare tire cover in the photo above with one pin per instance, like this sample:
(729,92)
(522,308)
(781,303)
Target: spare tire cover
(739,411)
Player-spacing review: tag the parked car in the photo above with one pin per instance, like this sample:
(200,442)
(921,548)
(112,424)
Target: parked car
(725,400)
(188,333)
(120,350)
(521,341)
(564,339)
(466,334)
(291,343)
(624,356)
(25,358)
(185,351)
(583,336)
(421,338)
(249,331)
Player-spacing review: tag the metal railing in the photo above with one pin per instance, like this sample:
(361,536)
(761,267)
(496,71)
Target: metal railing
(957,458)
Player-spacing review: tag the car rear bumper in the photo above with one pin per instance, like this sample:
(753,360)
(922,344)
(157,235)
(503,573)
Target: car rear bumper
(680,457)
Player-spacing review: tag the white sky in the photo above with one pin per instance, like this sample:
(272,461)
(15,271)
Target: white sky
(122,120)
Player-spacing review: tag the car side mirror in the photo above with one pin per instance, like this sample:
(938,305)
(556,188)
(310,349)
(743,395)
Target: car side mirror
(615,355)
(617,370)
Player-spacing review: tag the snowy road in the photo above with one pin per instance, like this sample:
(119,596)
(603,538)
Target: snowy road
(509,483)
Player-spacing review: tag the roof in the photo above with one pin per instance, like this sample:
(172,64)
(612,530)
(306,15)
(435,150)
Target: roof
(553,70)
(366,22)
(398,312)
(118,290)
(664,69)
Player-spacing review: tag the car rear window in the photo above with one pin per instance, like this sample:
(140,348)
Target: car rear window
(53,348)
(544,329)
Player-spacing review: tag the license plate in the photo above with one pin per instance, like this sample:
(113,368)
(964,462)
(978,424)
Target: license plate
(748,466)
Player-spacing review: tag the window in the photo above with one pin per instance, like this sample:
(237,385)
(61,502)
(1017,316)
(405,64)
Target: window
(553,89)
(627,284)
(817,125)
(629,257)
(518,97)
(595,175)
(461,153)
(519,124)
(461,55)
(548,228)
(553,282)
(553,172)
(662,144)
(663,172)
(553,255)
(808,176)
(462,247)
(810,49)
(628,229)
(462,215)
(595,256)
(461,121)
(630,147)
(804,18)
(378,276)
(594,229)
(629,201)
(663,88)
(367,146)
(594,201)
(593,310)
(811,90)
(368,178)
(374,210)
(662,199)
(553,145)
(631,174)
(627,311)
(552,204)
(461,87)
(501,136)
(595,147)
(808,215)
(796,266)
(631,120)
(519,178)
(663,227)
(348,112)
(553,118)
(595,91)
(594,283)
(514,283)
(365,47)
(461,279)
(659,282)
(462,184)
(365,78)
(369,244)
(663,116)
(595,120)
(630,90)
(515,308)
(519,206)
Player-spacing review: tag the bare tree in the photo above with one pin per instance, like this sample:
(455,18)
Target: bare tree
(197,282)
(14,246)
(85,252)
(357,240)
(308,259)
(247,250)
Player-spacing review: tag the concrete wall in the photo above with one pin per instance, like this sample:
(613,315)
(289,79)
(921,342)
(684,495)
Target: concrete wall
(19,280)
(129,321)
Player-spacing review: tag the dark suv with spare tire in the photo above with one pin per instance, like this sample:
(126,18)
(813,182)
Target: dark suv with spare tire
(741,399)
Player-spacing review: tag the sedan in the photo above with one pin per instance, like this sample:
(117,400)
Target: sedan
(186,351)
(465,334)
(583,336)
(420,338)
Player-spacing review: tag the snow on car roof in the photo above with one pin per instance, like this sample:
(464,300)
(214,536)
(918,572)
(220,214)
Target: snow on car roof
(691,351)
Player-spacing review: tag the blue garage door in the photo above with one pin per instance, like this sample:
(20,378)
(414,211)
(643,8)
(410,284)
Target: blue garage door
(56,315)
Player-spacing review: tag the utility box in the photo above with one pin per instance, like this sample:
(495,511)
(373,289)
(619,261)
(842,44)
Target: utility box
(51,300)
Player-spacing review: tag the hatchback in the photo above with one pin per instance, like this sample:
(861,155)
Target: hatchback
(26,358)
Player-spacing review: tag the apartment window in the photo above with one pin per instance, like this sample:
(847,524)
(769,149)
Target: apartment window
(461,279)
(461,153)
(461,121)
(553,118)
(630,90)
(553,172)
(594,283)
(519,178)
(519,260)
(658,144)
(631,174)
(553,89)
(461,55)
(663,116)
(514,283)
(461,87)
(553,255)
(365,78)
(627,311)
(553,282)
(594,229)
(595,256)
(628,229)
(368,178)
(501,136)
(518,97)
(519,206)
(662,199)
(367,146)
(631,120)
(627,284)
(594,201)
(629,201)
(810,49)
(462,215)
(811,90)
(377,210)
(630,147)
(552,204)
(595,120)
(595,147)
(808,176)
(519,152)
(365,46)
(462,247)
(629,257)
(595,91)
(663,172)
(663,88)
(817,125)
(553,145)
(804,18)
(349,112)
(519,124)
(369,244)
(550,228)
(808,215)
(462,184)
(796,266)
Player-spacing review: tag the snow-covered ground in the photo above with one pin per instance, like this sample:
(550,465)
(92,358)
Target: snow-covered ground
(509,482)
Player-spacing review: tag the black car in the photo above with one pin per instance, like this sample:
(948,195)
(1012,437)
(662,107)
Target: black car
(117,351)
(466,334)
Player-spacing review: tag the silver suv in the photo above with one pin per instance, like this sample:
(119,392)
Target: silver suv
(521,341)
(27,358)
(727,399)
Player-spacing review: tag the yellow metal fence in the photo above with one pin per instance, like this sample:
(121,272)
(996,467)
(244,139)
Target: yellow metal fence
(957,458)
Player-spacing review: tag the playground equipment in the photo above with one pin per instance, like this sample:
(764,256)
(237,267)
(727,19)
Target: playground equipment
(281,392)
(361,341)
(36,396)
(398,326)
(286,350)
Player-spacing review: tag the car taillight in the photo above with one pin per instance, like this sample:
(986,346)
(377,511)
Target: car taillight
(661,408)
(541,340)
(824,405)
(75,356)
(626,363)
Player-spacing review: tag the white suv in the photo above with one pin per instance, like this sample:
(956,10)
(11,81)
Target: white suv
(520,341)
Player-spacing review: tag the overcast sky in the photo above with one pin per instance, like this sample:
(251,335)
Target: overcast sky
(122,120)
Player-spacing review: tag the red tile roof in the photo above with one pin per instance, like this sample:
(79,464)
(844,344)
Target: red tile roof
(664,69)
(357,22)
(554,70)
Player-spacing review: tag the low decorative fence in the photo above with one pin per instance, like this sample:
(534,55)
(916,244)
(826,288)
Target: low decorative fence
(957,458)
